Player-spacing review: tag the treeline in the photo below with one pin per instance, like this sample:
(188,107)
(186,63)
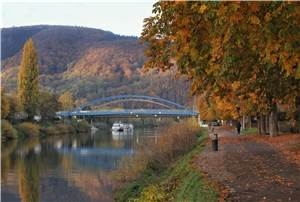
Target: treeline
(30,104)
(243,57)
(89,63)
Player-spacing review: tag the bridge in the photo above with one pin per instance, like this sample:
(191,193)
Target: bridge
(169,108)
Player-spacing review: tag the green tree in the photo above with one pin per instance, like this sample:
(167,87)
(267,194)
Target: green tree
(48,105)
(28,86)
(66,101)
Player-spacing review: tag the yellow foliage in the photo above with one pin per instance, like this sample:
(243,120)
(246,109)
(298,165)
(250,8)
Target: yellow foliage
(202,8)
(236,85)
(254,20)
(152,193)
(268,17)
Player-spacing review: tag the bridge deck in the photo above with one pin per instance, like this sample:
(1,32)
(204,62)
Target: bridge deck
(130,113)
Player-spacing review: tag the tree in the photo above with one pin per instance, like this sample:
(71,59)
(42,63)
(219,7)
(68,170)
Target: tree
(49,105)
(14,106)
(28,86)
(4,105)
(66,101)
(244,52)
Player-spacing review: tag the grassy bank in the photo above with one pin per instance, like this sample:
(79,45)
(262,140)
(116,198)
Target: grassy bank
(32,129)
(176,180)
(249,131)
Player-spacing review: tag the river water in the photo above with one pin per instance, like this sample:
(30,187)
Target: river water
(70,168)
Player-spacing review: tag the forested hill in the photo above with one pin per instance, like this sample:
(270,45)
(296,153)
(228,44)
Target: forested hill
(88,62)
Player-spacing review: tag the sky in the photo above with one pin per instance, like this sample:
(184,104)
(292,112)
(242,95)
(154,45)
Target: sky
(119,17)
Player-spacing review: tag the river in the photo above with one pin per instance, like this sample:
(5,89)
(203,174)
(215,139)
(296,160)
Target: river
(70,168)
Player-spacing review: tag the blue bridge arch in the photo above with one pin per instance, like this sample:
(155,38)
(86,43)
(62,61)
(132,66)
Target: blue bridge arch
(139,98)
(171,109)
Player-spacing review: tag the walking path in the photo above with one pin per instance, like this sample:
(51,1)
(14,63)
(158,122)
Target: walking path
(249,170)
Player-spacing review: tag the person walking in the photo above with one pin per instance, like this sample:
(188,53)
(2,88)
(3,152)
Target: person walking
(238,127)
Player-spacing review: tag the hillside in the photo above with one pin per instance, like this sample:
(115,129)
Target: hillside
(88,62)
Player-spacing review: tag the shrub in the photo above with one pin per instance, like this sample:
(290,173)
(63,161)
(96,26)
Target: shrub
(50,130)
(83,126)
(57,129)
(151,193)
(7,130)
(28,129)
(65,128)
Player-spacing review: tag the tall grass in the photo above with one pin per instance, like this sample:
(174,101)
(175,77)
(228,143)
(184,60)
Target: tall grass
(149,159)
(166,171)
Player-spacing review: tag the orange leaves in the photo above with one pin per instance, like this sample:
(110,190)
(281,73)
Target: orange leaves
(202,8)
(268,17)
(236,85)
(254,20)
(236,17)
(290,63)
(254,7)
(273,59)
(235,49)
(216,51)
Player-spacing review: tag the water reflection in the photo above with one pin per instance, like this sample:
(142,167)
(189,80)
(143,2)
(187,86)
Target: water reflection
(29,177)
(69,168)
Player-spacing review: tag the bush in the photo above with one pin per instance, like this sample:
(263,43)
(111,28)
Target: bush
(83,126)
(65,128)
(57,129)
(7,130)
(28,129)
(152,193)
(50,130)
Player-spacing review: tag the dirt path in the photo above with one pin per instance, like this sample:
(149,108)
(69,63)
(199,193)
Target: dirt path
(250,170)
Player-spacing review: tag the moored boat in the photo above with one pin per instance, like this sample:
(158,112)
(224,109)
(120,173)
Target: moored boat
(119,126)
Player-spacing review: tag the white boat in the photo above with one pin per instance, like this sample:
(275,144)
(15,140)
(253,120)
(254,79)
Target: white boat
(122,135)
(122,127)
(128,126)
(94,129)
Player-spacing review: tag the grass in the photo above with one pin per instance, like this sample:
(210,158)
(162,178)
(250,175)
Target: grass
(249,131)
(180,181)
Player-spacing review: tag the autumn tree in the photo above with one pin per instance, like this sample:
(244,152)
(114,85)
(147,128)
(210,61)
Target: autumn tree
(4,105)
(66,101)
(14,106)
(49,105)
(28,86)
(243,52)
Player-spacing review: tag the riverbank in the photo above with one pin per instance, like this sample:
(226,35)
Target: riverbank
(178,180)
(40,129)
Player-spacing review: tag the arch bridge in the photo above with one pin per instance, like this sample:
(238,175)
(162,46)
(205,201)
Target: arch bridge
(168,108)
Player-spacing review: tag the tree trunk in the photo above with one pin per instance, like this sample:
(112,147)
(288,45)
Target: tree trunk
(250,122)
(273,122)
(259,124)
(243,122)
(267,124)
(263,125)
